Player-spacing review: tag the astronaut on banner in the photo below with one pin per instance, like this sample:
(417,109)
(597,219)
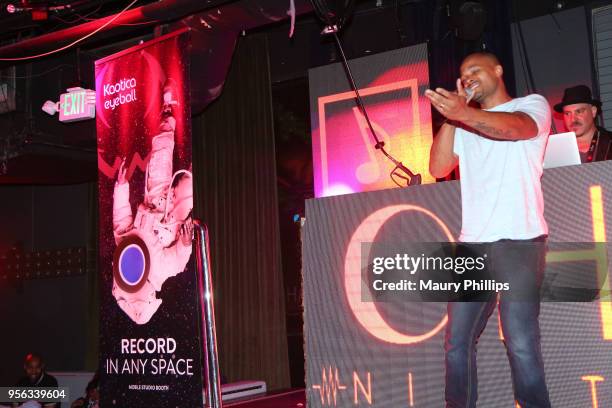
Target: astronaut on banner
(162,229)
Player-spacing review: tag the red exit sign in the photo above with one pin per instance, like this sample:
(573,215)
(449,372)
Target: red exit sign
(77,104)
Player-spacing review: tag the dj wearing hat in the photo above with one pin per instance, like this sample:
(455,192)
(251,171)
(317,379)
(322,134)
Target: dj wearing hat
(579,111)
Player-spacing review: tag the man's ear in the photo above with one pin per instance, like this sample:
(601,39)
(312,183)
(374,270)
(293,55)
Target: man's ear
(499,70)
(594,111)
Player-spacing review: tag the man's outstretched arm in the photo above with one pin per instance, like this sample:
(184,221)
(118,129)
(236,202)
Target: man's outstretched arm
(501,125)
(442,159)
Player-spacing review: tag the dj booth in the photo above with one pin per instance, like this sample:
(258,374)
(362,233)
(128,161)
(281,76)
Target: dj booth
(390,353)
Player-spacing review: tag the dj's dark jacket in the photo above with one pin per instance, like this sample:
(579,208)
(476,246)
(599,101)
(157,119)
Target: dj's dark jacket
(604,146)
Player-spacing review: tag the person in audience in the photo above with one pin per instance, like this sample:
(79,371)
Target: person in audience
(36,376)
(92,395)
(580,111)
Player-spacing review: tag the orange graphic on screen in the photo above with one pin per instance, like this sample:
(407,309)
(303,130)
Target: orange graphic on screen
(365,312)
(599,235)
(370,318)
(330,389)
(346,160)
(597,254)
(330,386)
(369,171)
(410,391)
(365,390)
(593,380)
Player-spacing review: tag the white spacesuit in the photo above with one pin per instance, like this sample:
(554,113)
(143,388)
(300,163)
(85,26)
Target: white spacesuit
(162,223)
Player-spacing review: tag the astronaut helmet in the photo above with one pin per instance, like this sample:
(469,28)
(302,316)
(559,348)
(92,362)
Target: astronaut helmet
(134,294)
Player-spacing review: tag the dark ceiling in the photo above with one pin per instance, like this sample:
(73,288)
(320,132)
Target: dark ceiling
(29,132)
(38,17)
(61,14)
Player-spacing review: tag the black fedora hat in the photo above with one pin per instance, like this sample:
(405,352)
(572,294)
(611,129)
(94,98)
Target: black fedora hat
(577,94)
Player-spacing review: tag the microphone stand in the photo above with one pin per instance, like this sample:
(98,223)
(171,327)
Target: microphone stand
(411,178)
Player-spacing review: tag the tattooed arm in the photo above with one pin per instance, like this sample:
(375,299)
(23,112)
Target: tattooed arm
(501,125)
(498,125)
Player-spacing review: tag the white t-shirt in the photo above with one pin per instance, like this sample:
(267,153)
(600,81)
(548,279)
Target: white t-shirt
(501,194)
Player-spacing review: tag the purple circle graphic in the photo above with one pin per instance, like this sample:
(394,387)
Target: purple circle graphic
(132,264)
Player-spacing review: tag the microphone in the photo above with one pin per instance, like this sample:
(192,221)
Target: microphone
(470,93)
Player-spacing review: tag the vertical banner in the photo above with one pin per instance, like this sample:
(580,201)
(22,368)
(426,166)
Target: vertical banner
(150,342)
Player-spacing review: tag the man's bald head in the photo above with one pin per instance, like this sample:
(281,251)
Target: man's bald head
(491,58)
(482,73)
(34,366)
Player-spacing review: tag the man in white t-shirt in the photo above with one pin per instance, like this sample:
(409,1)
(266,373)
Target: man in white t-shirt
(499,148)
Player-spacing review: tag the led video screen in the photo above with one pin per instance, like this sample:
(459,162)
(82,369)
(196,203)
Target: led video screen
(392,86)
(390,353)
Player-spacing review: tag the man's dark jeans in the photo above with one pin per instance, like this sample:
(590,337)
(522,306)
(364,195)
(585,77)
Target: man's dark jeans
(520,328)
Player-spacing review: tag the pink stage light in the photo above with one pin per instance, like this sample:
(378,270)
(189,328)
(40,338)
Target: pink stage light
(337,189)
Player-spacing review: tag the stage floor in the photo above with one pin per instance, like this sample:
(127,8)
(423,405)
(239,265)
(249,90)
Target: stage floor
(286,399)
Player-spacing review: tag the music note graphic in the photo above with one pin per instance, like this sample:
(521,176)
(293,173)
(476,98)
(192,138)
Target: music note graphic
(369,172)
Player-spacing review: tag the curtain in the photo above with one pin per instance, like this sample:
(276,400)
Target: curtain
(93,295)
(236,196)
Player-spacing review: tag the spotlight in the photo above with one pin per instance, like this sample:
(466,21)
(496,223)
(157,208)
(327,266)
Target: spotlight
(559,5)
(50,107)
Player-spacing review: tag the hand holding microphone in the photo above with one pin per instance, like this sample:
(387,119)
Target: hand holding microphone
(452,105)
